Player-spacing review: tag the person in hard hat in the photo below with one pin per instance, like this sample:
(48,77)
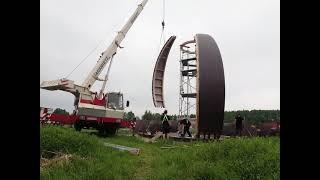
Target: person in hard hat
(186,127)
(239,120)
(165,124)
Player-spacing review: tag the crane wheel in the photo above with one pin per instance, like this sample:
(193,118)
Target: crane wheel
(106,130)
(102,132)
(112,131)
(77,126)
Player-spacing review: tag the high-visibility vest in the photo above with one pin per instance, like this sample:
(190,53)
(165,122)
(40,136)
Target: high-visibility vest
(165,118)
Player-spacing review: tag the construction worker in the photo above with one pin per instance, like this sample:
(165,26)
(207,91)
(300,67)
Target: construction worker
(133,125)
(216,134)
(165,124)
(180,128)
(186,127)
(239,120)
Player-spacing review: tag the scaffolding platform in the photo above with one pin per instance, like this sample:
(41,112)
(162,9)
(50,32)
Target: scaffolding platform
(189,72)
(189,95)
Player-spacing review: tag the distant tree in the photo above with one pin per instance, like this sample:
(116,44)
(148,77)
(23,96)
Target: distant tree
(254,116)
(129,115)
(174,117)
(60,111)
(147,115)
(156,116)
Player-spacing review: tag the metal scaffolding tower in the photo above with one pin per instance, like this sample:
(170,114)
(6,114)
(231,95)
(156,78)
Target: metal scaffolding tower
(188,72)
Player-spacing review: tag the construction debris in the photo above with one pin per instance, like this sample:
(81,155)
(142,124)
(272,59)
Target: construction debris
(168,147)
(151,138)
(44,162)
(156,136)
(134,151)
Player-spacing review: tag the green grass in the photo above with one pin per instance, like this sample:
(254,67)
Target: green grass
(245,158)
(91,159)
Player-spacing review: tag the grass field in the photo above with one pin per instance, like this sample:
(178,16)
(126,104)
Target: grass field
(245,158)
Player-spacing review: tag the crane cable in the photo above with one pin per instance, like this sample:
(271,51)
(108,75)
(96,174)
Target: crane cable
(162,36)
(85,58)
(163,17)
(92,51)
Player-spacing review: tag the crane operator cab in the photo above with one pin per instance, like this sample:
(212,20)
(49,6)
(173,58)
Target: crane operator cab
(111,105)
(115,101)
(104,114)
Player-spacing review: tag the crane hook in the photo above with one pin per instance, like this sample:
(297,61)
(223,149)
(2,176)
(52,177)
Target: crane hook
(118,45)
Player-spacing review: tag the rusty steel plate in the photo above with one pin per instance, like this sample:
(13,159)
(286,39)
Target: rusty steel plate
(158,74)
(210,85)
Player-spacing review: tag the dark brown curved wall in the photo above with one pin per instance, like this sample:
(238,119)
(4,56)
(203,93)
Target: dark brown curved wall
(158,74)
(210,85)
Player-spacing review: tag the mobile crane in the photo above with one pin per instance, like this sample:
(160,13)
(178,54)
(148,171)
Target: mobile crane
(99,110)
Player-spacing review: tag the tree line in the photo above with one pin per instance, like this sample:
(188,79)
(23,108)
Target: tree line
(148,115)
(253,116)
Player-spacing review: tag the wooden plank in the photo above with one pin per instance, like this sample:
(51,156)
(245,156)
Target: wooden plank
(134,151)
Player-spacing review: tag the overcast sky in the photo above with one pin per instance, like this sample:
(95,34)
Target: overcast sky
(246,31)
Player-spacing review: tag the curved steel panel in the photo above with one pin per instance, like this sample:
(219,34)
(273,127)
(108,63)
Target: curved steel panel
(158,74)
(210,85)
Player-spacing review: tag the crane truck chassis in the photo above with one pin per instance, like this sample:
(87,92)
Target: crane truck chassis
(47,116)
(104,114)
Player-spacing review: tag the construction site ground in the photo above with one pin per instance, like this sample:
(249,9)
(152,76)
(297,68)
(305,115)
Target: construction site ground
(83,155)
